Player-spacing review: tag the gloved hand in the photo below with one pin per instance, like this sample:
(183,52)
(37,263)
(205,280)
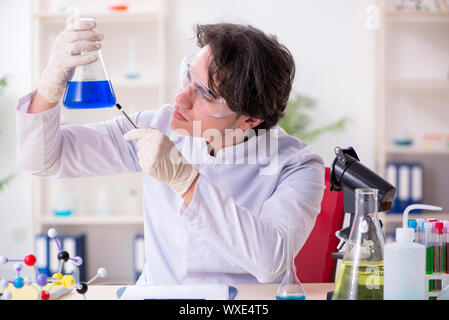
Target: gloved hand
(159,157)
(77,37)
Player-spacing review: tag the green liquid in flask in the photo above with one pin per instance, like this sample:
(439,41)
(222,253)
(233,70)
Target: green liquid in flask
(366,282)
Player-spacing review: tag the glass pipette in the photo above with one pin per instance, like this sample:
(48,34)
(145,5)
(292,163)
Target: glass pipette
(123,111)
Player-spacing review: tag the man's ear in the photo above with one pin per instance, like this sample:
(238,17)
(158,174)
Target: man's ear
(250,123)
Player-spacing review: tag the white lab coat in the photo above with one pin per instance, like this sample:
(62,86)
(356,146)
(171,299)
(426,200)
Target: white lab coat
(233,231)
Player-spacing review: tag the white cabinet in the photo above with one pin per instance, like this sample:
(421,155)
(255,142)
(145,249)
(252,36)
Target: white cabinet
(413,96)
(107,209)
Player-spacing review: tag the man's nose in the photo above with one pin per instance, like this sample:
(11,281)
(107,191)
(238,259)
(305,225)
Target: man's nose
(184,98)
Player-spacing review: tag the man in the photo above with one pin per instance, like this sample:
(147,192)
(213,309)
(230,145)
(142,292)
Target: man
(216,205)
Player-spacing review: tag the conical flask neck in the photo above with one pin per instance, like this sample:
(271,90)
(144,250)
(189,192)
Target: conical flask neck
(366,240)
(95,71)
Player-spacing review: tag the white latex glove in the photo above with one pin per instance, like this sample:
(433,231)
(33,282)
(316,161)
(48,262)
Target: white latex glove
(77,37)
(159,157)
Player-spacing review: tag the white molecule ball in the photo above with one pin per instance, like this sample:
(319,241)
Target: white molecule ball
(3,283)
(28,281)
(77,261)
(3,260)
(102,272)
(52,233)
(18,266)
(6,295)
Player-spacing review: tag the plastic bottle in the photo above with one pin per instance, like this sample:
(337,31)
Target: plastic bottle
(405,263)
(102,203)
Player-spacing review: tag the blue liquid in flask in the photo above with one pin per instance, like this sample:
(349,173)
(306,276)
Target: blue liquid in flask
(89,95)
(291,297)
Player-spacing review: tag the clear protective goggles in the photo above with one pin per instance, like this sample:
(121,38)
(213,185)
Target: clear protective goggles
(203,96)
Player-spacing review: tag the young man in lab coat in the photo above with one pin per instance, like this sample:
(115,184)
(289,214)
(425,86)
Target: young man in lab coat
(220,178)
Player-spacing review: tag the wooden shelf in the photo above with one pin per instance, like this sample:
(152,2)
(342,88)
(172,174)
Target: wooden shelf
(418,16)
(419,84)
(111,16)
(416,150)
(92,220)
(397,217)
(136,83)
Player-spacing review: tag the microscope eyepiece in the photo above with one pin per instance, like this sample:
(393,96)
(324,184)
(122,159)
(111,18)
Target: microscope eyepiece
(348,174)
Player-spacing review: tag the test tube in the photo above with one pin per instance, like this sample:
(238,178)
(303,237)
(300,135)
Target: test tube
(446,244)
(428,243)
(412,224)
(419,230)
(439,254)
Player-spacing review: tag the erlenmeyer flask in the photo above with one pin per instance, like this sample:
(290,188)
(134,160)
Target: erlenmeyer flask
(89,86)
(290,287)
(362,268)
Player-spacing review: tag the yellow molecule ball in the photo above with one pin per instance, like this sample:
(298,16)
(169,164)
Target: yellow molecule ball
(68,281)
(57,276)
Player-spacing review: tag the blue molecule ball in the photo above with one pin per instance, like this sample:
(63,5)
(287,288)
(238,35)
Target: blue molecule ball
(18,282)
(41,280)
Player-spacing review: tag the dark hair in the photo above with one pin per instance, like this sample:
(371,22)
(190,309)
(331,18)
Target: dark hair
(251,70)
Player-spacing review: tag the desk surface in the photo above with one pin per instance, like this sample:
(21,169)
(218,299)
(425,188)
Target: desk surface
(314,291)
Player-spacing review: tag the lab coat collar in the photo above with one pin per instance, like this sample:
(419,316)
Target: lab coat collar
(257,149)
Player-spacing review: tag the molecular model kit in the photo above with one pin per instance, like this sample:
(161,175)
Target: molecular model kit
(55,286)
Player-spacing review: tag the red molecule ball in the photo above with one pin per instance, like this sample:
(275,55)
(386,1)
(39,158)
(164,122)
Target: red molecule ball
(30,260)
(45,295)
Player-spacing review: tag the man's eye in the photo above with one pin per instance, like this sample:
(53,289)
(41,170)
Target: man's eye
(204,93)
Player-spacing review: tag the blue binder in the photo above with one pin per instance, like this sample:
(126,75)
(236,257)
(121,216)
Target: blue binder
(46,252)
(138,255)
(41,252)
(76,246)
(408,178)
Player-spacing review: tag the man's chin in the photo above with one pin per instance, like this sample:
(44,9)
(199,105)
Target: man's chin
(179,128)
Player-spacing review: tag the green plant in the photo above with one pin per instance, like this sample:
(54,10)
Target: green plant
(5,181)
(297,121)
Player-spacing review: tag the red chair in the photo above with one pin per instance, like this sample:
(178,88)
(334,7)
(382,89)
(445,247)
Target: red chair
(314,263)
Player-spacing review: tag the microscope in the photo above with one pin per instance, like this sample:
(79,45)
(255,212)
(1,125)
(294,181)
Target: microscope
(348,174)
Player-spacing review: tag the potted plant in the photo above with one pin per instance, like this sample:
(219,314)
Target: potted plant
(296,121)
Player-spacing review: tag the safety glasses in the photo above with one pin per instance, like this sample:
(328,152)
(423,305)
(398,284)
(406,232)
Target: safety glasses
(204,97)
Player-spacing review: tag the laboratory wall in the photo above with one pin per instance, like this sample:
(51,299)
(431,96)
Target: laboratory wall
(15,62)
(333,46)
(330,41)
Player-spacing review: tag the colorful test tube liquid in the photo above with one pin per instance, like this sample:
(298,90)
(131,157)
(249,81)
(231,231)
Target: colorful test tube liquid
(440,252)
(428,241)
(446,244)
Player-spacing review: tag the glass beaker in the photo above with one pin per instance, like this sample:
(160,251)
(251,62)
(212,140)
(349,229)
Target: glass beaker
(89,86)
(362,268)
(290,287)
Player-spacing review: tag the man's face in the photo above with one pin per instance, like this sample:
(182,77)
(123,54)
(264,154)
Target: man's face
(190,105)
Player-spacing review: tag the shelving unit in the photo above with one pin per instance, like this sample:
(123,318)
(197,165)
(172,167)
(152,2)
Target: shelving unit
(412,95)
(109,238)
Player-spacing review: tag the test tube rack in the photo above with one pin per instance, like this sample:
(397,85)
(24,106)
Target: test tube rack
(433,293)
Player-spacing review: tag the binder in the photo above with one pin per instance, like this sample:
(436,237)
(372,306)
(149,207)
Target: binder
(408,178)
(392,178)
(75,246)
(404,186)
(138,255)
(41,253)
(417,183)
(46,252)
(53,251)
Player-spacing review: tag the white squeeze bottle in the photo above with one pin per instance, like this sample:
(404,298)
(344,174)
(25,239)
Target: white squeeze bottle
(405,263)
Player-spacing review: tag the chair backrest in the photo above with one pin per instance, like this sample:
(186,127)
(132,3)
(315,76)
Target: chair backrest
(313,262)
